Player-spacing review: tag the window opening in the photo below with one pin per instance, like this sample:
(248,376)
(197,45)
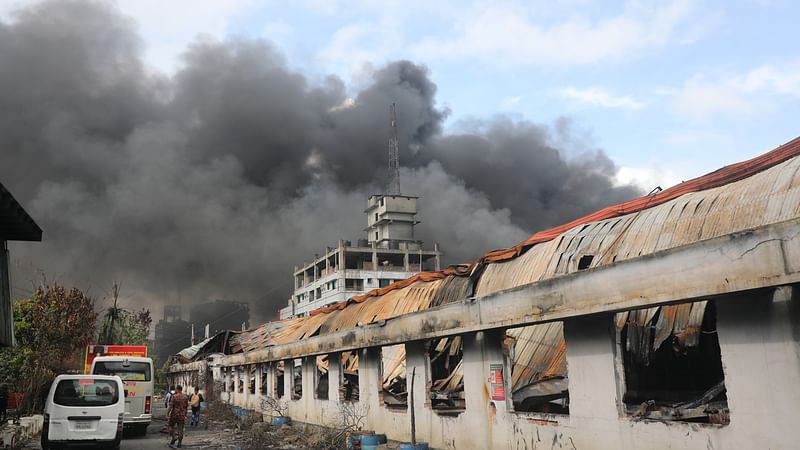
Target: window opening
(297,385)
(279,383)
(252,374)
(445,361)
(394,391)
(348,381)
(321,389)
(539,381)
(672,365)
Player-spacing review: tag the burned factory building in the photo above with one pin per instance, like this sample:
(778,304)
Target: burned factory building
(670,320)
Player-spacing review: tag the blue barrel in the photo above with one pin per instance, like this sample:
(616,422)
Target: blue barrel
(419,446)
(369,446)
(280,420)
(373,439)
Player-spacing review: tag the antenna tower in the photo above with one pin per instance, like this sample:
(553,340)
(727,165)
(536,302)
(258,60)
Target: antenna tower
(393,185)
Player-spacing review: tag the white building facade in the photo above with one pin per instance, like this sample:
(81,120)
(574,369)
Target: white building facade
(390,253)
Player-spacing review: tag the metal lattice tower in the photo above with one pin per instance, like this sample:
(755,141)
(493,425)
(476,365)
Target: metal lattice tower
(393,184)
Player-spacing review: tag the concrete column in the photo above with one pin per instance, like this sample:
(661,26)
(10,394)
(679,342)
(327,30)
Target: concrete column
(758,335)
(593,388)
(482,352)
(288,379)
(416,359)
(334,375)
(309,369)
(374,260)
(270,366)
(369,361)
(246,371)
(259,368)
(405,259)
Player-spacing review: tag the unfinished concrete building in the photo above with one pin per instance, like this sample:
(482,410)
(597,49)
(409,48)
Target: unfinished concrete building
(669,321)
(390,253)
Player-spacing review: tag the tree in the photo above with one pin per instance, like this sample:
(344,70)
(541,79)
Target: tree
(122,326)
(52,328)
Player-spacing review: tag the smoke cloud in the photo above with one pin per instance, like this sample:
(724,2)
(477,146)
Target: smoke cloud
(214,181)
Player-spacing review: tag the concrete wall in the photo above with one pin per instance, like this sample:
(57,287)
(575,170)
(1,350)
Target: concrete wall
(759,336)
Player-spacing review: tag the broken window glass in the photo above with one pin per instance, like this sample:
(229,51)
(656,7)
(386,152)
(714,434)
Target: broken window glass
(672,365)
(539,381)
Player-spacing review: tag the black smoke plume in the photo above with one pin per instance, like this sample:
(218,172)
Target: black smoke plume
(214,181)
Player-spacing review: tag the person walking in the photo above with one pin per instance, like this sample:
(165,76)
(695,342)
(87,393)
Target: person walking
(178,403)
(196,400)
(169,394)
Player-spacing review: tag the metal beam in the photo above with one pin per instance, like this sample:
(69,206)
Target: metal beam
(762,257)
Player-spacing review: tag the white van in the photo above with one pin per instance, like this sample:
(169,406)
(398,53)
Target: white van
(137,375)
(84,409)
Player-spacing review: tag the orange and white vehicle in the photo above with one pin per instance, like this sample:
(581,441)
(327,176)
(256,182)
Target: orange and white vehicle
(138,377)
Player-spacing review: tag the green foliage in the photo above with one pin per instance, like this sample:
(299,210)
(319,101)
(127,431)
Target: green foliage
(52,328)
(129,327)
(12,366)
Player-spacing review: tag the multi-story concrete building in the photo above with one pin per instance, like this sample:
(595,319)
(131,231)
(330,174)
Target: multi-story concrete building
(391,252)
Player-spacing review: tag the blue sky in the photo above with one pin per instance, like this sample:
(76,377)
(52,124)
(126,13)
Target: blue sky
(670,89)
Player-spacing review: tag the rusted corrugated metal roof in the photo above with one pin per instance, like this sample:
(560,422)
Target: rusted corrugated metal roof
(761,191)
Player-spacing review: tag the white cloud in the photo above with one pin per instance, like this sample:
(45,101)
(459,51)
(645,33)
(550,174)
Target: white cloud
(511,101)
(510,35)
(599,97)
(703,97)
(647,178)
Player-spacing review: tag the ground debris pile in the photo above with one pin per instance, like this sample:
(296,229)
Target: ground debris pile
(292,436)
(220,414)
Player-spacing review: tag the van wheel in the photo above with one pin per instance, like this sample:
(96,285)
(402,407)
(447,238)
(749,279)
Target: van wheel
(141,430)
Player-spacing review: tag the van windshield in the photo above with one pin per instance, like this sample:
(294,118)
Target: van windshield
(86,392)
(133,371)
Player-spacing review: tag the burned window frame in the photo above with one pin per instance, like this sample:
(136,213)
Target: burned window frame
(393,393)
(279,377)
(297,379)
(321,372)
(444,398)
(349,382)
(543,386)
(682,338)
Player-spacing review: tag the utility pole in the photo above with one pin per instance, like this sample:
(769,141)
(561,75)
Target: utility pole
(393,185)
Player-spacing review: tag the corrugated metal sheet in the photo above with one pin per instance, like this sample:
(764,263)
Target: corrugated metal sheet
(768,197)
(538,353)
(658,223)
